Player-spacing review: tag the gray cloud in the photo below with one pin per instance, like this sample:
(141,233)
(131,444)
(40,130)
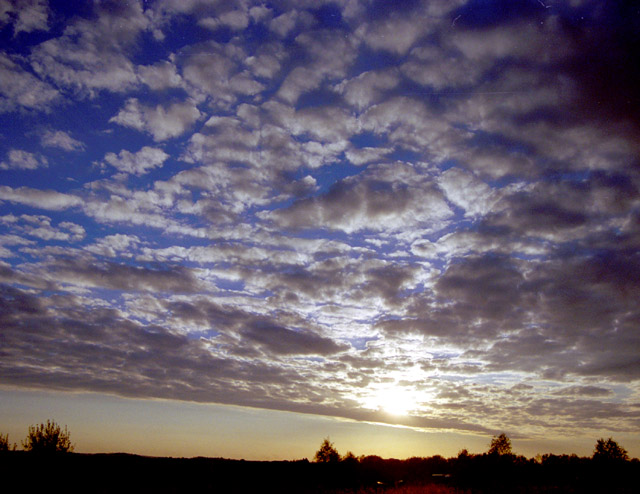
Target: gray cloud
(44,199)
(62,140)
(91,55)
(161,122)
(25,15)
(374,201)
(137,163)
(21,89)
(435,201)
(18,159)
(125,277)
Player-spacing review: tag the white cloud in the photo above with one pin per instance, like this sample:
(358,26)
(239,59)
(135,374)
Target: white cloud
(329,55)
(395,34)
(161,122)
(114,245)
(40,226)
(368,88)
(431,66)
(23,160)
(267,61)
(260,12)
(91,55)
(137,163)
(62,140)
(284,23)
(467,192)
(219,73)
(19,88)
(299,81)
(161,75)
(234,19)
(44,199)
(362,156)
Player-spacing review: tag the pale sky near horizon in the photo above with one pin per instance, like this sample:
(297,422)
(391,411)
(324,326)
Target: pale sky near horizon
(109,424)
(335,214)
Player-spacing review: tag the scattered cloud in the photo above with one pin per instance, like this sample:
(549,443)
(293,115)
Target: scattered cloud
(25,15)
(37,198)
(19,88)
(137,163)
(162,122)
(61,140)
(18,159)
(304,208)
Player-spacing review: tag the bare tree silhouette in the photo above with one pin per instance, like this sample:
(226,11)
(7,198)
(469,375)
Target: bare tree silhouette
(47,439)
(5,445)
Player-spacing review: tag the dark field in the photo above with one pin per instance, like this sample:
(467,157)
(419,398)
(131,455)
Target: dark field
(472,474)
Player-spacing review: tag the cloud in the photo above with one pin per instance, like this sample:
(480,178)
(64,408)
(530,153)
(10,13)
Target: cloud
(409,123)
(40,227)
(159,76)
(25,15)
(62,140)
(588,391)
(91,54)
(396,35)
(143,352)
(467,192)
(219,74)
(437,69)
(162,122)
(284,23)
(19,88)
(329,54)
(381,199)
(125,277)
(368,88)
(137,163)
(305,212)
(114,245)
(123,206)
(42,199)
(261,331)
(23,160)
(267,60)
(234,19)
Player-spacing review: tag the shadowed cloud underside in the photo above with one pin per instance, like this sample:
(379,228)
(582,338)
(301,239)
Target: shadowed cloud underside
(322,207)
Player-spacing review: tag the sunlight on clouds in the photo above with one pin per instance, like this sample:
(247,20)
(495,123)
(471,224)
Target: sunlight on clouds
(418,213)
(395,400)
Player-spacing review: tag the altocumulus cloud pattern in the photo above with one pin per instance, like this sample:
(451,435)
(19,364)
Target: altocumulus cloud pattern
(327,207)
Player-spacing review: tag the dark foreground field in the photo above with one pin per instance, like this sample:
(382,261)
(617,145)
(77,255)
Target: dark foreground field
(474,474)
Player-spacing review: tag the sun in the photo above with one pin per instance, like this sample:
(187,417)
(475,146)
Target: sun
(395,401)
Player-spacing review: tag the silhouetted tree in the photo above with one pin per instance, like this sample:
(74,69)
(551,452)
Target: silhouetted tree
(4,443)
(350,457)
(463,453)
(47,438)
(327,453)
(500,445)
(609,450)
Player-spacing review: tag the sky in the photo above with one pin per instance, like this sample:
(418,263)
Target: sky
(233,228)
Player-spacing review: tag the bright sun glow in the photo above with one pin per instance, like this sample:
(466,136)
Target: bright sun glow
(395,401)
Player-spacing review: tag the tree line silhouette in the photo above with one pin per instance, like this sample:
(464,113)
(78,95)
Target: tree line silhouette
(48,450)
(498,470)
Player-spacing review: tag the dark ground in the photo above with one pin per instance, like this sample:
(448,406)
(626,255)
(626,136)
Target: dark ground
(477,474)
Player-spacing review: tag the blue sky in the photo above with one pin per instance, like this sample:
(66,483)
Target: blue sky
(422,214)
